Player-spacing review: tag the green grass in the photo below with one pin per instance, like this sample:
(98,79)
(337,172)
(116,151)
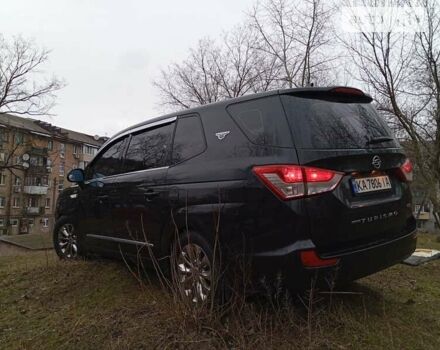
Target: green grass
(34,241)
(48,304)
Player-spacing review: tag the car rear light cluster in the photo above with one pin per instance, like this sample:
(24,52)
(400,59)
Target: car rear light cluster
(405,172)
(294,181)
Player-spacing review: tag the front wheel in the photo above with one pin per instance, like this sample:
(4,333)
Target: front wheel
(65,239)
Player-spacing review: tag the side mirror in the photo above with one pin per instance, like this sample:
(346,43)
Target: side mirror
(76,175)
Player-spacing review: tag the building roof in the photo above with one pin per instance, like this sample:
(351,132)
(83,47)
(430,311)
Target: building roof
(14,121)
(41,127)
(84,138)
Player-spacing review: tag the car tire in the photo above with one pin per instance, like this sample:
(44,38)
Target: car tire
(66,240)
(195,275)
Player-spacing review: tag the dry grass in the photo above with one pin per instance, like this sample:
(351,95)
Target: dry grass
(48,304)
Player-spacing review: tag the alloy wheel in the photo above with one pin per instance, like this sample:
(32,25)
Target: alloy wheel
(67,241)
(194,273)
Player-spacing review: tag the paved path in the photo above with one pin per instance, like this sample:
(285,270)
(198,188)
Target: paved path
(9,249)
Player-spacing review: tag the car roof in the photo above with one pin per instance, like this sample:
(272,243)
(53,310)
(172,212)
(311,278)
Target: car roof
(226,103)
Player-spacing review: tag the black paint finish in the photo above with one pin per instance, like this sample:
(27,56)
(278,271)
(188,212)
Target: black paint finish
(210,188)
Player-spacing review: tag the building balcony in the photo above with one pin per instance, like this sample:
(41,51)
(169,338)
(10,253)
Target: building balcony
(424,215)
(39,190)
(38,170)
(39,151)
(34,210)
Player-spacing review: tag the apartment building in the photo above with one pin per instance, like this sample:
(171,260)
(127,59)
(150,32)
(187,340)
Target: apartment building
(35,158)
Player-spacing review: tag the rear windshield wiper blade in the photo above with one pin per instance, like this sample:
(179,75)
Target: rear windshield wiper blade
(379,139)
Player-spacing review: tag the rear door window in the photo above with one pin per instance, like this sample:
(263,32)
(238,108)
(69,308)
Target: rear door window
(149,148)
(189,139)
(323,124)
(263,121)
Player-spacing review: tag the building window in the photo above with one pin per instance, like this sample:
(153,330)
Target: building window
(2,202)
(18,138)
(45,222)
(60,186)
(2,223)
(62,169)
(16,202)
(47,203)
(2,156)
(2,179)
(36,181)
(3,135)
(62,149)
(38,161)
(13,222)
(89,150)
(33,202)
(76,149)
(17,181)
(31,222)
(50,145)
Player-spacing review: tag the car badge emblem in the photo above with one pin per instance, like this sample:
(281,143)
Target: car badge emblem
(221,135)
(376,162)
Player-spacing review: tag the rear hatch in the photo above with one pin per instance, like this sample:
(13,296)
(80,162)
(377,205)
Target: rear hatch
(343,132)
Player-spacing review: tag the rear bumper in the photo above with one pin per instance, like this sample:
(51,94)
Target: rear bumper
(352,265)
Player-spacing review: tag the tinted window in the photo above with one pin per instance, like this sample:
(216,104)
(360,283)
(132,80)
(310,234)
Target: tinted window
(188,140)
(109,162)
(263,121)
(149,149)
(319,124)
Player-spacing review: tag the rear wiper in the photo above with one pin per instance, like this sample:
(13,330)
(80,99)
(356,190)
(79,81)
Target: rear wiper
(379,139)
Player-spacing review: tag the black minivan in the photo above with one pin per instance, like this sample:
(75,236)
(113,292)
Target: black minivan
(297,181)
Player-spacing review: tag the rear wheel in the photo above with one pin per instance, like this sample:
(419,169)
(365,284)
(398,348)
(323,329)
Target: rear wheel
(65,239)
(192,268)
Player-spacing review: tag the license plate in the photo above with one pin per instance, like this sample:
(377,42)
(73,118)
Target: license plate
(371,184)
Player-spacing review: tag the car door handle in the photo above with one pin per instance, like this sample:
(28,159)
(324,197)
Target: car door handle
(150,195)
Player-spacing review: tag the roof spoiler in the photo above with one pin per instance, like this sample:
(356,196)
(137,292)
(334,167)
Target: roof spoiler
(334,93)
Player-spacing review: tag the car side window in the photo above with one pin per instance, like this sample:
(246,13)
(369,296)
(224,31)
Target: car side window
(149,148)
(189,139)
(263,121)
(108,162)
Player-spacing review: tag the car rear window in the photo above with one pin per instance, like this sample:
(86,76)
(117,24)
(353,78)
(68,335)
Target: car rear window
(323,124)
(262,121)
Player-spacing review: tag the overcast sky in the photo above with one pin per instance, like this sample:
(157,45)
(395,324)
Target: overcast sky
(109,51)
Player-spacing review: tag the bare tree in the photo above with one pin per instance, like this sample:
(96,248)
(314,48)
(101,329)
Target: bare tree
(401,70)
(22,90)
(192,82)
(296,34)
(281,45)
(216,71)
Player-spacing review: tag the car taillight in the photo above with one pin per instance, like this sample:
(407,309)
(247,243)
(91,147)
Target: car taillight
(406,171)
(309,258)
(293,181)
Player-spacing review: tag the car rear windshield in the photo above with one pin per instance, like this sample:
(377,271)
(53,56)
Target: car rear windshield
(324,124)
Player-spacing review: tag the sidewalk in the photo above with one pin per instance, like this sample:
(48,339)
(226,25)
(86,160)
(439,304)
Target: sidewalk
(33,241)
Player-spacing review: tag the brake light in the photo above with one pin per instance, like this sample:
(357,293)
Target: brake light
(294,181)
(406,171)
(309,258)
(347,91)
